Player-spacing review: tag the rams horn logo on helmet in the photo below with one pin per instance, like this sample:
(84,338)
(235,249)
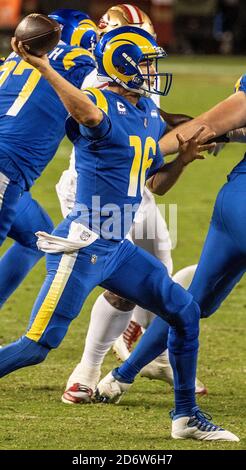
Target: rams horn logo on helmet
(119,55)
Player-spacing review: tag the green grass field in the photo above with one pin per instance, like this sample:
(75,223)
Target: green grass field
(32,414)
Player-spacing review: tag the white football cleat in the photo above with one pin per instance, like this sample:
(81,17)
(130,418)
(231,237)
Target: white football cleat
(160,369)
(200,388)
(123,345)
(111,390)
(120,349)
(200,427)
(84,375)
(78,394)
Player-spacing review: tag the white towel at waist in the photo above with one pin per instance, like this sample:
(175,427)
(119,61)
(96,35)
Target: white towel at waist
(79,237)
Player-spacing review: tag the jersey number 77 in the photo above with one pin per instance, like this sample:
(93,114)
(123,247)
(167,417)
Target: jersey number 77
(33,78)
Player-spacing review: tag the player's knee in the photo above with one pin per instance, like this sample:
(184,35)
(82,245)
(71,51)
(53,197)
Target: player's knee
(185,326)
(32,352)
(190,316)
(53,337)
(40,354)
(179,305)
(184,333)
(118,302)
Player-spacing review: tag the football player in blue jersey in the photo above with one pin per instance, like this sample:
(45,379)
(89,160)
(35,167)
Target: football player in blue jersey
(78,29)
(116,135)
(32,125)
(225,245)
(222,262)
(149,231)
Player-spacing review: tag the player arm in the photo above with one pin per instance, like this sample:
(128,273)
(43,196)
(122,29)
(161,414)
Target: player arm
(226,115)
(166,177)
(81,108)
(173,120)
(168,174)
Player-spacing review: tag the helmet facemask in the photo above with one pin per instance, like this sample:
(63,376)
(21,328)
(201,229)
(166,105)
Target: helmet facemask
(158,83)
(154,82)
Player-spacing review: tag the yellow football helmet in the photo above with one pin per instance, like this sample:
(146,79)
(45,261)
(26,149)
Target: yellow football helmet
(125,15)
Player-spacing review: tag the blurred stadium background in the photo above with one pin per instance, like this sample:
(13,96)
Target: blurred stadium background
(32,415)
(185,26)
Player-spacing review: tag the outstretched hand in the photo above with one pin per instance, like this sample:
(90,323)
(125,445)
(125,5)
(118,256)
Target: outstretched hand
(190,150)
(39,63)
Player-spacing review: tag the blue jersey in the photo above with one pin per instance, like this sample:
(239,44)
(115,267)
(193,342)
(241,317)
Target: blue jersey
(32,117)
(241,86)
(113,161)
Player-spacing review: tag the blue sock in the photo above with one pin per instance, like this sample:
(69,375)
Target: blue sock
(185,398)
(150,346)
(184,403)
(183,350)
(14,266)
(21,353)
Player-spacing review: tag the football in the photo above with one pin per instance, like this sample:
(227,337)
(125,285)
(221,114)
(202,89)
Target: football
(38,33)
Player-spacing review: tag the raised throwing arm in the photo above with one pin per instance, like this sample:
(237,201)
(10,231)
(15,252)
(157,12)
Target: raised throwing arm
(81,108)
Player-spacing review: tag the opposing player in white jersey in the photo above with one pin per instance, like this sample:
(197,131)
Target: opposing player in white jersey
(114,320)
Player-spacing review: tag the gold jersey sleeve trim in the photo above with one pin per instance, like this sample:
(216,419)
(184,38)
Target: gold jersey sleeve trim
(101,100)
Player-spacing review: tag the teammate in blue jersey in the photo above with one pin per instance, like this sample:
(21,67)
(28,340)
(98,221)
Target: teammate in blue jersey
(223,259)
(116,150)
(32,125)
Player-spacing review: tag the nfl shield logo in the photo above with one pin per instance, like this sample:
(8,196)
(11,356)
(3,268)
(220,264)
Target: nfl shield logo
(145,122)
(93,259)
(85,236)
